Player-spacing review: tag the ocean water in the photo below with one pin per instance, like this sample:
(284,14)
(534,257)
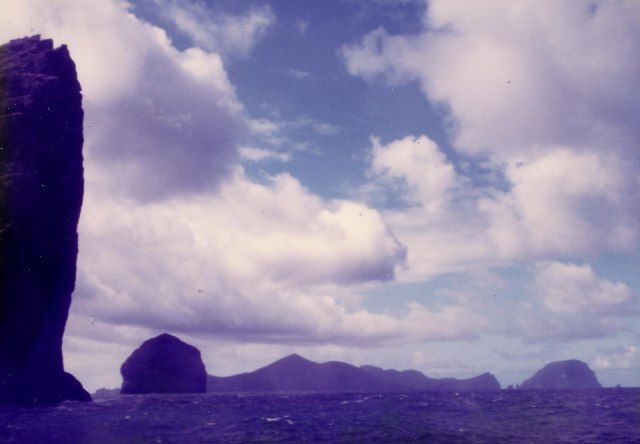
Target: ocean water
(607,415)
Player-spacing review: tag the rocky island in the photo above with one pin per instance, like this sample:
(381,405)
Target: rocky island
(297,374)
(41,190)
(164,364)
(417,381)
(562,375)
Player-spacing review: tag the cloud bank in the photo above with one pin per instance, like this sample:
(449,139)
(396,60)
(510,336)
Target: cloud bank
(522,77)
(174,235)
(547,101)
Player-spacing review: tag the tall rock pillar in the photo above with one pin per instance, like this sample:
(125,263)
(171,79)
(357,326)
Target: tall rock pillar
(41,187)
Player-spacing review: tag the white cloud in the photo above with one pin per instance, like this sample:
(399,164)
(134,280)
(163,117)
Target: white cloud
(440,227)
(285,135)
(234,262)
(268,131)
(561,204)
(545,95)
(429,177)
(260,155)
(566,203)
(94,57)
(570,302)
(218,31)
(623,358)
(575,289)
(520,77)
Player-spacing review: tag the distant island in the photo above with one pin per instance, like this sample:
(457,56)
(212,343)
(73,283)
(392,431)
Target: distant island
(297,374)
(571,374)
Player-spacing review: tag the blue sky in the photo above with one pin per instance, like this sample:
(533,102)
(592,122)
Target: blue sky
(433,185)
(294,73)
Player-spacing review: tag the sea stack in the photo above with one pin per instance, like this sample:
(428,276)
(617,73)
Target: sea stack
(164,364)
(562,375)
(41,187)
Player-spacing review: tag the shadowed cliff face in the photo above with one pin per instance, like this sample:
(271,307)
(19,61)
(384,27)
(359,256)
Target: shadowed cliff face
(41,186)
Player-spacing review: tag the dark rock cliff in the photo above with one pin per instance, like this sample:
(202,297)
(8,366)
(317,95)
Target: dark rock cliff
(41,187)
(164,364)
(572,374)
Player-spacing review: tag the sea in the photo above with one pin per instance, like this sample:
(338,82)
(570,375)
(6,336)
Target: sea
(506,416)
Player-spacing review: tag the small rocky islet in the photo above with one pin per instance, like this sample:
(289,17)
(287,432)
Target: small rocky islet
(563,375)
(164,364)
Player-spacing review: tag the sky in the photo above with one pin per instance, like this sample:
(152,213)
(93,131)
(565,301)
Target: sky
(446,186)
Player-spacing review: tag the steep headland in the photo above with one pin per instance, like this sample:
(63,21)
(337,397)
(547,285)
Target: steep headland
(571,374)
(41,188)
(297,374)
(164,364)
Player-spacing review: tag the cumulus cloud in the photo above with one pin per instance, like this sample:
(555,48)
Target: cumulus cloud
(565,203)
(550,73)
(217,30)
(570,302)
(575,289)
(233,261)
(546,101)
(438,223)
(561,204)
(428,177)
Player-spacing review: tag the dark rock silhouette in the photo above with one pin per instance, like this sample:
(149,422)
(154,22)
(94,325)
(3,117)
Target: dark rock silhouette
(415,380)
(41,187)
(294,374)
(164,364)
(572,374)
(297,374)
